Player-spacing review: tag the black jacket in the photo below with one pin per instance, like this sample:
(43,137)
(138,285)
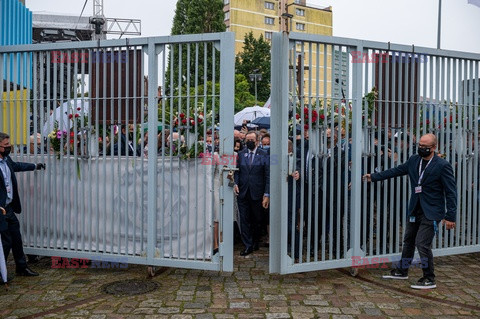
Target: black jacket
(253,178)
(438,187)
(15,204)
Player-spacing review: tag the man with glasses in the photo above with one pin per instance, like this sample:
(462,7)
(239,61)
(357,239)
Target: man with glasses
(433,189)
(10,204)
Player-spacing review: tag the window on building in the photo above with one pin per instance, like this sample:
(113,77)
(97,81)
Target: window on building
(269,5)
(268,35)
(300,12)
(225,2)
(269,20)
(227,15)
(298,1)
(301,26)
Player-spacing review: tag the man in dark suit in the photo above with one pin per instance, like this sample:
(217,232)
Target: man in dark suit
(10,204)
(252,184)
(433,188)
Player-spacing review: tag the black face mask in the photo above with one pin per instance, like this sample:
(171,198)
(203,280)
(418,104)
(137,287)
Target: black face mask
(424,151)
(251,145)
(6,151)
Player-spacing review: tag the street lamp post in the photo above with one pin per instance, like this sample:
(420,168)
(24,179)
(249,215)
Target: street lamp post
(254,77)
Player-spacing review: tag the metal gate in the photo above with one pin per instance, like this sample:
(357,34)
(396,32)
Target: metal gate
(352,107)
(131,132)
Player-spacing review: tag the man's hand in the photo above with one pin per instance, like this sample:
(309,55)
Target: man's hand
(4,212)
(448,224)
(40,166)
(367,178)
(265,202)
(296,175)
(236,190)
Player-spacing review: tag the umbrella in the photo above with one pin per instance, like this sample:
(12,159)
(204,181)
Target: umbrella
(3,264)
(61,115)
(262,122)
(250,113)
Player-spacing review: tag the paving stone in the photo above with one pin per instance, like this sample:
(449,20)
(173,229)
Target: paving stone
(328,310)
(277,315)
(240,305)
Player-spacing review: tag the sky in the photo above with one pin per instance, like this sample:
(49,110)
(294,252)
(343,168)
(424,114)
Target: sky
(403,22)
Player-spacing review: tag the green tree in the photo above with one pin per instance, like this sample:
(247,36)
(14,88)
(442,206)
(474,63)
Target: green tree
(243,97)
(255,56)
(194,61)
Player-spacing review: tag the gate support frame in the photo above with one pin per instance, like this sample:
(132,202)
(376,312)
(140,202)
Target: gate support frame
(357,146)
(279,137)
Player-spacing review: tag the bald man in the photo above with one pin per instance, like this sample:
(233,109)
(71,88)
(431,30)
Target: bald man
(433,189)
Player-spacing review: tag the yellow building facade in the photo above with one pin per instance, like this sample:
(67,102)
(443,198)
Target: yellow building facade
(263,17)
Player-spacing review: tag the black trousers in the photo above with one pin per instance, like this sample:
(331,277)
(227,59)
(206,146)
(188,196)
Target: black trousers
(251,218)
(12,239)
(420,234)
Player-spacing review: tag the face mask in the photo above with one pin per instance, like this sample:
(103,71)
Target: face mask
(6,151)
(251,145)
(266,147)
(423,151)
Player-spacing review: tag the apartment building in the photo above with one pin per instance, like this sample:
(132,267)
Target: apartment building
(263,17)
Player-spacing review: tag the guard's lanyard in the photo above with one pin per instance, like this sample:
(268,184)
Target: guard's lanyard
(420,172)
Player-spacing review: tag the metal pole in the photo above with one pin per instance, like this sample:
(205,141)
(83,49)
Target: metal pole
(256,102)
(439,31)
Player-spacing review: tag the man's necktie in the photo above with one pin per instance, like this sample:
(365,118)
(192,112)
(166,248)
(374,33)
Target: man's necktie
(250,158)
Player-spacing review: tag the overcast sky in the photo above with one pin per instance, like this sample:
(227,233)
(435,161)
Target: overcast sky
(405,22)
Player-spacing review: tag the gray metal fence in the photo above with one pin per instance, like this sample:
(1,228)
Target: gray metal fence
(122,126)
(352,107)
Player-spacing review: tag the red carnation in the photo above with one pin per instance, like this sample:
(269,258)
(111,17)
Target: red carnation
(72,134)
(305,126)
(70,116)
(79,108)
(199,120)
(322,117)
(297,116)
(192,122)
(71,141)
(77,115)
(182,115)
(184,121)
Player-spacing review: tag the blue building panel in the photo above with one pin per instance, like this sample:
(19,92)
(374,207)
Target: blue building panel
(15,28)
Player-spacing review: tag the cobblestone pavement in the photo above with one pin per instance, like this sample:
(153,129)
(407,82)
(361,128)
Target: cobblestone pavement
(248,292)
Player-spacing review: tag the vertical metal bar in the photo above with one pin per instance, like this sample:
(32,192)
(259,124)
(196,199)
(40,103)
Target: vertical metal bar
(188,116)
(152,156)
(227,90)
(356,157)
(278,187)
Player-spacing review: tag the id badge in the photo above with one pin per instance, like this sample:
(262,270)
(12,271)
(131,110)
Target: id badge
(418,189)
(412,219)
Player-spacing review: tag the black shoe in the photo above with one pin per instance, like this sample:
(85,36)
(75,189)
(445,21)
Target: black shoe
(26,272)
(246,252)
(424,283)
(395,274)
